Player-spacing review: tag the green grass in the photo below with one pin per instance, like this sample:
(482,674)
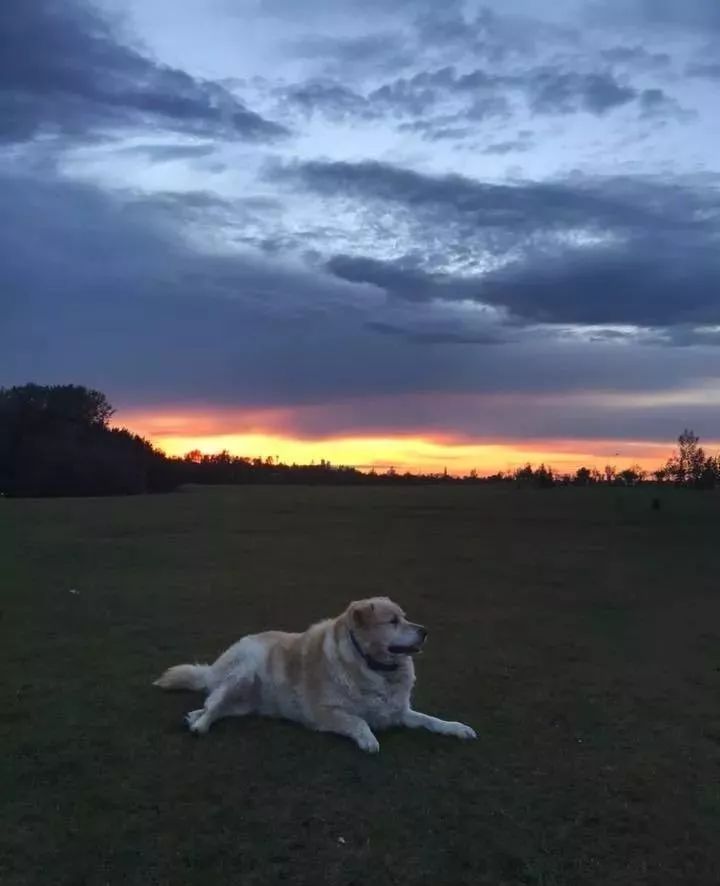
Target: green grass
(577,630)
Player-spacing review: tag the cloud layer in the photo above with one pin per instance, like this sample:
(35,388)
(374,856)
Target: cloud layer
(476,221)
(64,70)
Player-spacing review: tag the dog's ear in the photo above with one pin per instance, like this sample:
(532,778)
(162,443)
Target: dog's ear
(362,612)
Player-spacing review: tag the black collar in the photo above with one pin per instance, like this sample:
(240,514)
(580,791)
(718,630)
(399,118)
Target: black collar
(371,662)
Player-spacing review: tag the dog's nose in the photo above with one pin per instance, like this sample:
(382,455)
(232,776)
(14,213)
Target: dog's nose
(422,631)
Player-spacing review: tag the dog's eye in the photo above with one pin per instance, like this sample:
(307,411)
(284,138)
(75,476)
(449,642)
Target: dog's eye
(395,620)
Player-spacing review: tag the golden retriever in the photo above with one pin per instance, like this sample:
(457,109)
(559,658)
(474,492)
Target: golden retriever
(347,675)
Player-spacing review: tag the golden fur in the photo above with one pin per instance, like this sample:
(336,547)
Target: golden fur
(350,674)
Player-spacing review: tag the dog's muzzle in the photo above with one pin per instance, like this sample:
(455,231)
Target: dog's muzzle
(411,648)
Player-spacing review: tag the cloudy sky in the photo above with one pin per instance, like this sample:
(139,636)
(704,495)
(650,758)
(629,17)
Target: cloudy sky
(376,231)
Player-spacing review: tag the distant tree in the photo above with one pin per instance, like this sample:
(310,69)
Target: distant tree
(689,465)
(544,477)
(710,475)
(631,476)
(610,474)
(583,477)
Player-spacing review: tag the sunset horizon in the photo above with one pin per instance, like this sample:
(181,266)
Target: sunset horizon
(413,451)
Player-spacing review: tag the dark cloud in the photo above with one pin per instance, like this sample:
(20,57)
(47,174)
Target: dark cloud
(406,97)
(481,93)
(660,280)
(560,92)
(484,107)
(378,53)
(652,259)
(523,142)
(107,290)
(656,103)
(160,153)
(500,418)
(416,32)
(411,97)
(442,101)
(698,16)
(438,129)
(689,336)
(694,13)
(63,71)
(650,283)
(330,98)
(436,336)
(289,9)
(637,56)
(401,281)
(490,33)
(709,70)
(533,205)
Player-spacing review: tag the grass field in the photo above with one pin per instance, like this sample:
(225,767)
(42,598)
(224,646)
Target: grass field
(577,630)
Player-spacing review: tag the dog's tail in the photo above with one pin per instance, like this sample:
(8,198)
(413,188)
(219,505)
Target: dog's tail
(185,676)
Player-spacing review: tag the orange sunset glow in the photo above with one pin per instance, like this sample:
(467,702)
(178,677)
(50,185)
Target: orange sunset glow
(179,433)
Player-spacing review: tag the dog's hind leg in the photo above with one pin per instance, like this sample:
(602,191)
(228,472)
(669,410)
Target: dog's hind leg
(230,699)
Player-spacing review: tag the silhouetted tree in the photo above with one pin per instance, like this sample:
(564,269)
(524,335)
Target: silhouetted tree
(631,476)
(583,477)
(525,474)
(56,441)
(542,477)
(689,465)
(660,475)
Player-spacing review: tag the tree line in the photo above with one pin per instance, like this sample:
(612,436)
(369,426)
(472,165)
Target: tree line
(689,466)
(57,441)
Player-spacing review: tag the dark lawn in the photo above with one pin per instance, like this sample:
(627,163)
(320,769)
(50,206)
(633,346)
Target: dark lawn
(577,630)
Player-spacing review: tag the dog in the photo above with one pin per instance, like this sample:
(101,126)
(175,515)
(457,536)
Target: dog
(347,675)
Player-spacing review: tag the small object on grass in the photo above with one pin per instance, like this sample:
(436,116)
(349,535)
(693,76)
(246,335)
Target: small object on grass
(74,591)
(342,840)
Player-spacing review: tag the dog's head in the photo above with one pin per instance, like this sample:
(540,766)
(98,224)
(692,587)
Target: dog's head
(382,629)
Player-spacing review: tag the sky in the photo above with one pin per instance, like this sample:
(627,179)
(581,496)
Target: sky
(458,235)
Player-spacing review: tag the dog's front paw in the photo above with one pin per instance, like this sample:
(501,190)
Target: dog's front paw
(195,721)
(460,730)
(368,743)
